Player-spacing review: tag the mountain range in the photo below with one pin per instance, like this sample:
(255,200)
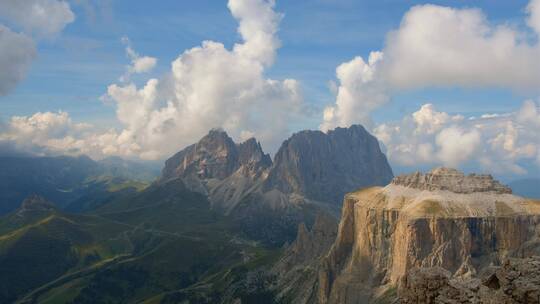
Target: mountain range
(323,222)
(207,230)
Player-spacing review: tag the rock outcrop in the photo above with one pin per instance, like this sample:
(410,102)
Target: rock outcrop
(445,219)
(451,180)
(218,167)
(325,166)
(217,156)
(517,281)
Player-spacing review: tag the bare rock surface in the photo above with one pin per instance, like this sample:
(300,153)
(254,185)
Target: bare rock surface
(311,172)
(325,166)
(451,180)
(319,167)
(517,281)
(385,232)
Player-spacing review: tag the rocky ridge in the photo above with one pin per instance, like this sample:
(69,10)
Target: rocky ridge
(269,199)
(309,166)
(451,180)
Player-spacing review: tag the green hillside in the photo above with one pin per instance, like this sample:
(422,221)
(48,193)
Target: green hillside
(153,245)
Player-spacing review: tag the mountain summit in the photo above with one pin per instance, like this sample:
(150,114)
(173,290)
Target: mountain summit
(325,166)
(310,173)
(316,165)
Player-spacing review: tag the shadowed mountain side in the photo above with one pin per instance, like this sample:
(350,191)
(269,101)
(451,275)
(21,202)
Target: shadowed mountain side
(75,183)
(325,166)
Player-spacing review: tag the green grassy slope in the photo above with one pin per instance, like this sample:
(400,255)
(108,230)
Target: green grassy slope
(151,245)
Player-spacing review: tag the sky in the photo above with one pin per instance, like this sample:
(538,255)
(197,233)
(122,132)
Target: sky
(454,83)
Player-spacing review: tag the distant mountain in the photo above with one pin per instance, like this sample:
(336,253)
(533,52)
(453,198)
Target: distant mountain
(66,180)
(310,172)
(526,187)
(116,166)
(207,231)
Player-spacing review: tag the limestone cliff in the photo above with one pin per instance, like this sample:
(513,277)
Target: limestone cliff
(443,219)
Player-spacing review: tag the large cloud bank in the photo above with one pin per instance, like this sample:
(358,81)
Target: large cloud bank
(498,143)
(43,18)
(439,46)
(213,86)
(208,86)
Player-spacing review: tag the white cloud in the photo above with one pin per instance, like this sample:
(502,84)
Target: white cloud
(534,15)
(497,143)
(211,86)
(208,86)
(442,46)
(41,131)
(258,25)
(438,46)
(456,145)
(16,54)
(529,114)
(139,64)
(358,94)
(44,17)
(17,50)
(428,120)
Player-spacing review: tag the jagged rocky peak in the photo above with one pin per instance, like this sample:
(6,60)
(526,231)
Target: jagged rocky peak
(325,166)
(252,157)
(216,155)
(451,180)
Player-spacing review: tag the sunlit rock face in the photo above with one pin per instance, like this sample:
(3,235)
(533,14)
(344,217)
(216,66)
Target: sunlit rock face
(217,156)
(443,219)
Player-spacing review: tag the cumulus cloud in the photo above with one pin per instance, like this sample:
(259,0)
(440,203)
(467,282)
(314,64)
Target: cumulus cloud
(534,15)
(498,143)
(438,46)
(139,64)
(44,17)
(41,131)
(16,54)
(208,86)
(456,145)
(211,86)
(17,50)
(358,94)
(442,46)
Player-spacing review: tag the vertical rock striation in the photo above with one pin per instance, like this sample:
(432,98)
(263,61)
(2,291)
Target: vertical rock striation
(443,219)
(325,166)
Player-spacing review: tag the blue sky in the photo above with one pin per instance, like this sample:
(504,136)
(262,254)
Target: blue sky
(420,125)
(74,69)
